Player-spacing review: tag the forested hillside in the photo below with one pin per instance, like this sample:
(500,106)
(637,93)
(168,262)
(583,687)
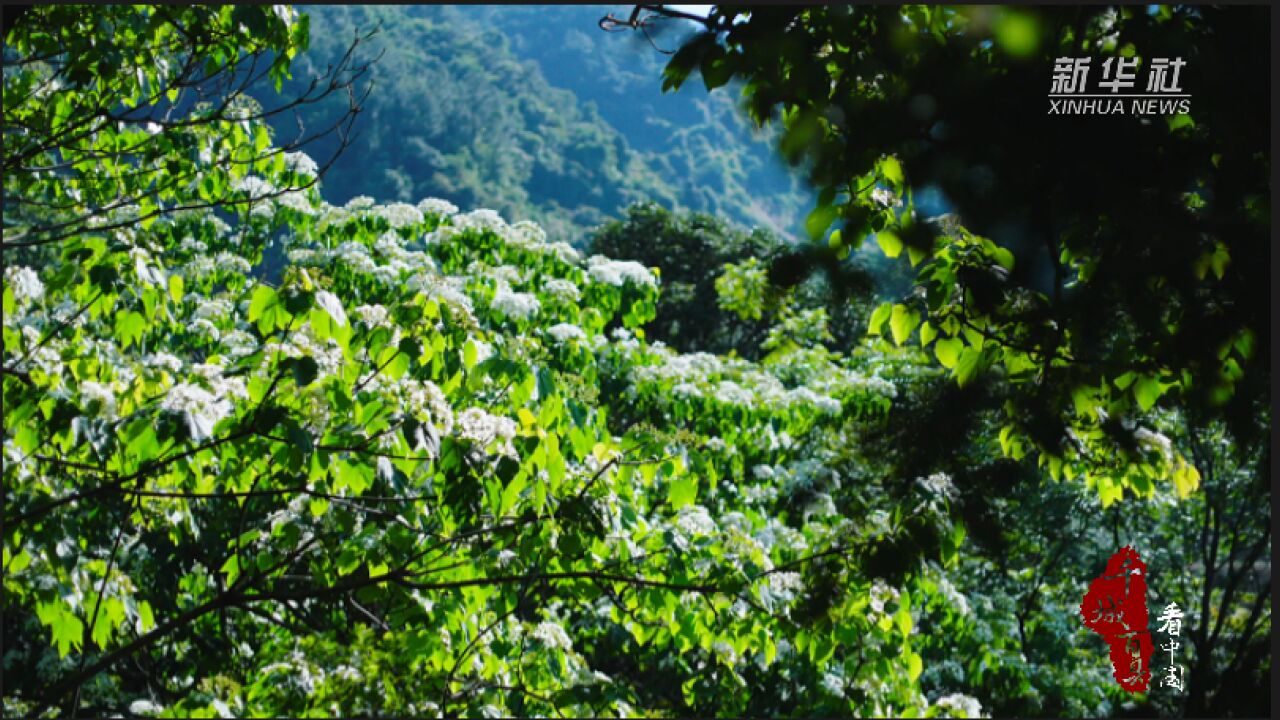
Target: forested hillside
(537,113)
(526,436)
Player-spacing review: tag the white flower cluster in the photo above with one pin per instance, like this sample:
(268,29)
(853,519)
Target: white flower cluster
(238,343)
(399,215)
(552,635)
(833,684)
(303,343)
(484,430)
(779,589)
(199,408)
(359,203)
(371,315)
(163,361)
(437,207)
(740,383)
(725,652)
(254,186)
(959,703)
(426,402)
(221,385)
(1156,441)
(25,284)
(564,332)
(953,596)
(618,272)
(515,305)
(480,219)
(562,289)
(881,595)
(692,521)
(777,534)
(885,197)
(101,396)
(300,163)
(296,201)
(938,484)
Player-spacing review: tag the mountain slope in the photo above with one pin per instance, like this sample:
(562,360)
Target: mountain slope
(467,105)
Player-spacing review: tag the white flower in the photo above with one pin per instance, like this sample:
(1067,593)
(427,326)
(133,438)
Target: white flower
(725,651)
(779,589)
(164,361)
(201,326)
(618,272)
(426,402)
(885,197)
(731,393)
(563,289)
(938,484)
(144,707)
(881,593)
(437,207)
(198,407)
(371,315)
(562,250)
(952,595)
(359,202)
(25,283)
(331,305)
(300,163)
(296,201)
(553,636)
(833,684)
(484,429)
(564,332)
(93,392)
(762,472)
(959,703)
(693,521)
(1156,441)
(399,214)
(515,304)
(480,219)
(254,186)
(239,342)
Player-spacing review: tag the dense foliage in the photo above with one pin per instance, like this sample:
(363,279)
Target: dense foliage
(715,291)
(1099,278)
(267,455)
(1107,285)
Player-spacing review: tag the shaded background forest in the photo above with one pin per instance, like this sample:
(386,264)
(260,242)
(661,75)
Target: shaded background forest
(538,114)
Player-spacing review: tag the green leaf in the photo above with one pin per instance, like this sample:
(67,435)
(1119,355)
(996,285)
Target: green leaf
(263,298)
(682,491)
(914,665)
(129,327)
(947,351)
(176,287)
(901,322)
(927,334)
(878,316)
(1147,390)
(889,243)
(891,170)
(819,219)
(970,363)
(68,630)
